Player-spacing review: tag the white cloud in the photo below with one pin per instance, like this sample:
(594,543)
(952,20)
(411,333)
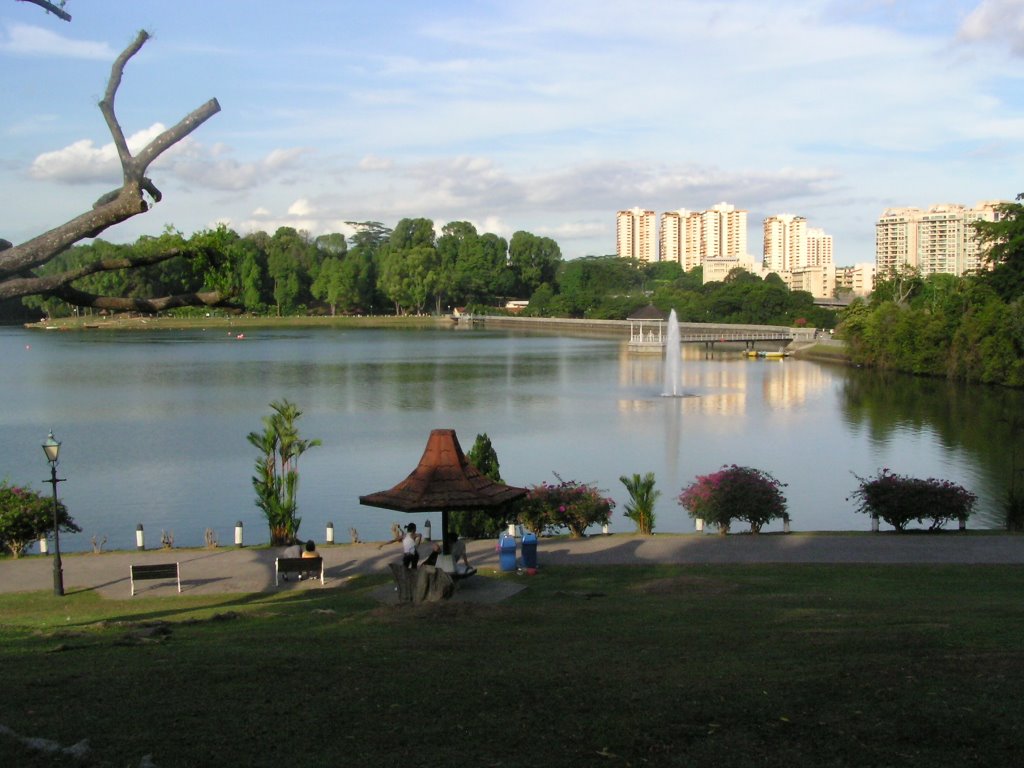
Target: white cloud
(83,162)
(213,167)
(27,40)
(374,163)
(996,20)
(300,207)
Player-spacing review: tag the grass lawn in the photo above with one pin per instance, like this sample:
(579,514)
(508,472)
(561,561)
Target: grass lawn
(620,666)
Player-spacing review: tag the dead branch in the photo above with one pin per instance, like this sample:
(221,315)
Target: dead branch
(56,10)
(113,208)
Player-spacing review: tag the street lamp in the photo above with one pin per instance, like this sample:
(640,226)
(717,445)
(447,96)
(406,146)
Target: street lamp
(52,450)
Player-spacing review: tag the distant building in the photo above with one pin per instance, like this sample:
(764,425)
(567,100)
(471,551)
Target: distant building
(940,240)
(858,280)
(635,235)
(681,239)
(800,255)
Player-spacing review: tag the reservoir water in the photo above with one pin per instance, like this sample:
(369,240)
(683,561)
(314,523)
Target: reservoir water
(154,423)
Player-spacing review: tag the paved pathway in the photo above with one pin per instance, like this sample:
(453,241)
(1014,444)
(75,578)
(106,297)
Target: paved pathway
(223,570)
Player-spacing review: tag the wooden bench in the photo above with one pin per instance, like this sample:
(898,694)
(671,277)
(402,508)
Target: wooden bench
(310,566)
(155,571)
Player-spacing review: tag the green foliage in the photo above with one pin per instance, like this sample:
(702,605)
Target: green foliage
(1003,241)
(276,480)
(568,504)
(735,493)
(480,524)
(898,499)
(642,497)
(26,515)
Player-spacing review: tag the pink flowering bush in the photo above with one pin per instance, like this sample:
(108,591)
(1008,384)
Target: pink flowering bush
(569,504)
(898,499)
(26,515)
(735,493)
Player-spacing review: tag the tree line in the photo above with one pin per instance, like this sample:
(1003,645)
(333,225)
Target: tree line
(405,270)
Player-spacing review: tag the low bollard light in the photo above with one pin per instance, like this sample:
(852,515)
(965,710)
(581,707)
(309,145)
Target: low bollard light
(874,523)
(140,537)
(426,530)
(785,525)
(605,529)
(42,545)
(512,530)
(238,534)
(329,537)
(699,524)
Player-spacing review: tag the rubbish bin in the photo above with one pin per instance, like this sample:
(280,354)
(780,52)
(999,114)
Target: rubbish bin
(530,550)
(507,552)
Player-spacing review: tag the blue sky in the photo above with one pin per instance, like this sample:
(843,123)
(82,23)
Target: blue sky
(543,116)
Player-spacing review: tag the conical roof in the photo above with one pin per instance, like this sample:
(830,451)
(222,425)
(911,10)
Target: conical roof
(444,480)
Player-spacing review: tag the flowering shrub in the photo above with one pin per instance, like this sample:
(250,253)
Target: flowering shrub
(898,499)
(26,515)
(735,493)
(569,504)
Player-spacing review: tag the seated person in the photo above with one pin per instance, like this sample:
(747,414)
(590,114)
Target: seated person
(309,551)
(292,550)
(435,551)
(457,548)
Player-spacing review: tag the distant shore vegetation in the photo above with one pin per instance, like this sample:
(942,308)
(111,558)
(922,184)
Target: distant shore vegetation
(417,269)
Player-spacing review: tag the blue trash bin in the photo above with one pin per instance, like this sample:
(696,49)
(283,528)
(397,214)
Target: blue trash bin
(530,550)
(507,552)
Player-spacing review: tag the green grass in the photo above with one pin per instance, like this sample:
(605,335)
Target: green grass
(625,666)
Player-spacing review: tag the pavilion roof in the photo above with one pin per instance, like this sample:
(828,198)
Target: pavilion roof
(444,480)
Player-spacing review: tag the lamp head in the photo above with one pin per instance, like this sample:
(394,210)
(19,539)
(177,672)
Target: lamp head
(51,448)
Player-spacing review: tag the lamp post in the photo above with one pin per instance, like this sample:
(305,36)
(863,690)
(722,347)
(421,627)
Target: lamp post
(52,450)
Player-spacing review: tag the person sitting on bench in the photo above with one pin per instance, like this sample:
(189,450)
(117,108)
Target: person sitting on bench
(309,551)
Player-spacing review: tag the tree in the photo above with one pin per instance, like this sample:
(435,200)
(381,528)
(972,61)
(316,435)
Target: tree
(642,497)
(20,266)
(26,515)
(276,480)
(533,260)
(1003,242)
(480,524)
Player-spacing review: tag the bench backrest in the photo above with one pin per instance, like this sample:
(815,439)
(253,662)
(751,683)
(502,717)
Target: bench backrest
(299,564)
(155,571)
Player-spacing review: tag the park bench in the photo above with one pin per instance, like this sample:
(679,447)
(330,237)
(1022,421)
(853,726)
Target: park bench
(446,564)
(310,566)
(155,571)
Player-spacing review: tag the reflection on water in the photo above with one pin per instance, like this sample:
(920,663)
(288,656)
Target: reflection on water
(154,424)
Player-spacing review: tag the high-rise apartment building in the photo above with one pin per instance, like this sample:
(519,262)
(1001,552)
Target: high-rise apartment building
(635,235)
(819,248)
(723,232)
(680,238)
(785,243)
(939,240)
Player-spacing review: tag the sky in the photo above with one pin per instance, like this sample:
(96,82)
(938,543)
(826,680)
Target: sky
(545,116)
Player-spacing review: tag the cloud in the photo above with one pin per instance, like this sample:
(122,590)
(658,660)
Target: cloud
(374,163)
(996,21)
(27,40)
(83,162)
(213,167)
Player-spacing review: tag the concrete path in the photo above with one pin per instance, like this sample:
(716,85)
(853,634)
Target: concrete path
(230,570)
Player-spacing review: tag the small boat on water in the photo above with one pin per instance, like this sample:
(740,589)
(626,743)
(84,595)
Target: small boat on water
(752,353)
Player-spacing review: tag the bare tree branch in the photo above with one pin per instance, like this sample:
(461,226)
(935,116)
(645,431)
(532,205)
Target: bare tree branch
(56,10)
(32,285)
(113,208)
(125,304)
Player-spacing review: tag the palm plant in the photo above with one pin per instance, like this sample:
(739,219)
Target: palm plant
(276,480)
(642,497)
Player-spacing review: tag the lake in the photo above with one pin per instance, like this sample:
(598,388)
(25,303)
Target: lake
(153,424)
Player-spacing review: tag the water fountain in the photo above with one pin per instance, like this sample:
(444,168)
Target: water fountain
(673,354)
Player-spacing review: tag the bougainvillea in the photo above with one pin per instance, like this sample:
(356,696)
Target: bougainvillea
(735,493)
(898,499)
(26,515)
(567,504)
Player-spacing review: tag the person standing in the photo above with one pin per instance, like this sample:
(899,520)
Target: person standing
(410,547)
